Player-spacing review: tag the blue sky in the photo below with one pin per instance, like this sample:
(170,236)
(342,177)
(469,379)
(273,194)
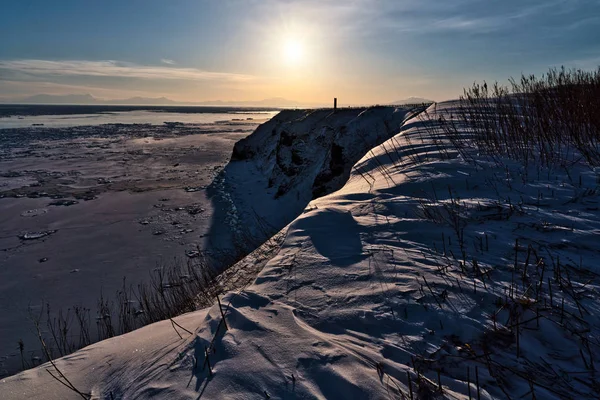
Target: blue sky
(358,50)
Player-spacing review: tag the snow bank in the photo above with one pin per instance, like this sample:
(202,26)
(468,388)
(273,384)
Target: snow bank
(425,276)
(296,156)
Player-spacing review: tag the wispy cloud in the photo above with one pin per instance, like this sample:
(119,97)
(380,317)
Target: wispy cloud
(433,16)
(112,68)
(466,16)
(167,61)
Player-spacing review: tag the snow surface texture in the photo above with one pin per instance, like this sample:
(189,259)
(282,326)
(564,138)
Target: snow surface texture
(294,157)
(425,276)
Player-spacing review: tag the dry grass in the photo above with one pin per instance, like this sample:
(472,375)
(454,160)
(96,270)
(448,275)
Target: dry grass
(550,120)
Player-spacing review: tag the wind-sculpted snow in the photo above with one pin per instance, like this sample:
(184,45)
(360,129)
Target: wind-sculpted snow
(296,156)
(425,276)
(318,146)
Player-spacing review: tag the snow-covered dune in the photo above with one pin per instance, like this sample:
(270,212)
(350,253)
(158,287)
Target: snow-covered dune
(425,276)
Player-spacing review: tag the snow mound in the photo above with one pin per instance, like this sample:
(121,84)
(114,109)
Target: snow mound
(425,276)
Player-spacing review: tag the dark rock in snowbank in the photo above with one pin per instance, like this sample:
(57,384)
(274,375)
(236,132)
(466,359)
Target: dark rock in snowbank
(293,158)
(319,146)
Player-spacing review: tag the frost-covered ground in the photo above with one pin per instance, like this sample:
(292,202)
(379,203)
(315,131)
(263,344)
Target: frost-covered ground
(425,276)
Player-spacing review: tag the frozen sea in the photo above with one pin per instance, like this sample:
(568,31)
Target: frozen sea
(61,116)
(116,192)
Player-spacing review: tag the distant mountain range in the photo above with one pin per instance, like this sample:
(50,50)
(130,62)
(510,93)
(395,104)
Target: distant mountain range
(411,100)
(276,102)
(88,99)
(62,99)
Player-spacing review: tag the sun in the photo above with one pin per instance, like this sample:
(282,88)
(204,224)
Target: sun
(293,51)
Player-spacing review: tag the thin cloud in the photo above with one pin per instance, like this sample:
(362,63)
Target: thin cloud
(429,16)
(167,61)
(112,68)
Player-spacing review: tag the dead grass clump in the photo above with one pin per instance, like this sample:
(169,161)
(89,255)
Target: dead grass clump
(549,120)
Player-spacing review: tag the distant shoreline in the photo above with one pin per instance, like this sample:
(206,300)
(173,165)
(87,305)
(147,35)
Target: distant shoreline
(10,110)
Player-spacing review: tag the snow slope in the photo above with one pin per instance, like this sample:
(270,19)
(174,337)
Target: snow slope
(294,157)
(425,276)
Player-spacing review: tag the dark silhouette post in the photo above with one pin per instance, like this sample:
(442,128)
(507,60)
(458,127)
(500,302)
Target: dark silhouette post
(335,103)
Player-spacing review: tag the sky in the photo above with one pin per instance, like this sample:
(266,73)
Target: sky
(360,51)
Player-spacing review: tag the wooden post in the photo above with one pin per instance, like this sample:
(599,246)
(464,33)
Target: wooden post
(335,103)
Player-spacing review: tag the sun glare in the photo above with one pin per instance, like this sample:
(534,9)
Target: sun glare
(293,51)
